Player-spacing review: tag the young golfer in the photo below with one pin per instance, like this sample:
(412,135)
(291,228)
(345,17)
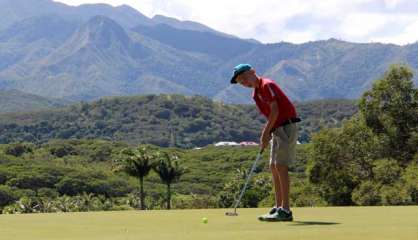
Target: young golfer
(280,130)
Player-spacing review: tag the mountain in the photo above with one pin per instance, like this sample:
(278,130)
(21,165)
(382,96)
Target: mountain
(13,11)
(33,38)
(17,101)
(90,51)
(328,69)
(196,41)
(49,27)
(192,26)
(99,59)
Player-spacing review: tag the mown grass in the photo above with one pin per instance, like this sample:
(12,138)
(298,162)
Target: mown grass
(310,223)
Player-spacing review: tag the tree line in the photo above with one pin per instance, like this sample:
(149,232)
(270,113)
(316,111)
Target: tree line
(369,159)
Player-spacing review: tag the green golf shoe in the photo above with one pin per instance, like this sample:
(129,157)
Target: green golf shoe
(285,216)
(279,215)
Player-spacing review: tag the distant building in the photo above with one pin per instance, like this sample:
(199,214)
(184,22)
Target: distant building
(248,144)
(219,144)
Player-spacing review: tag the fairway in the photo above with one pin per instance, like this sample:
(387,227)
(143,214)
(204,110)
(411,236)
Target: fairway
(310,223)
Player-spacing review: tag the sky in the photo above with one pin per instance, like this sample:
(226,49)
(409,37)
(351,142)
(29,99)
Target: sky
(296,21)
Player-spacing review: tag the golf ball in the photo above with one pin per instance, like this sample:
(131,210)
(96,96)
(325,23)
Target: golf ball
(204,220)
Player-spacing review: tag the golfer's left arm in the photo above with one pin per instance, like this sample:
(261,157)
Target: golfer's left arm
(266,135)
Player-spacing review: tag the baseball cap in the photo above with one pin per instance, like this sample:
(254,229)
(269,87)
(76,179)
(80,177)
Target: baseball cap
(240,68)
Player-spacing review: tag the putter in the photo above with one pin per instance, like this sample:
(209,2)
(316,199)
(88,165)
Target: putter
(234,213)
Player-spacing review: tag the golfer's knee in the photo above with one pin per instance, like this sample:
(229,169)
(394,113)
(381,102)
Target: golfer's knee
(273,167)
(281,167)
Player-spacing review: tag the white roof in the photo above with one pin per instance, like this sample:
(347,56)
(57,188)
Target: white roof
(226,144)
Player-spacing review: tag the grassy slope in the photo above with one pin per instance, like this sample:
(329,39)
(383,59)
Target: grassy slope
(310,223)
(17,101)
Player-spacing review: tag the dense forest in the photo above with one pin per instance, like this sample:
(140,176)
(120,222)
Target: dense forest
(164,120)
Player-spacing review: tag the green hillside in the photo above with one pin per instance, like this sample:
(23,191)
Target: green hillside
(164,120)
(16,101)
(72,170)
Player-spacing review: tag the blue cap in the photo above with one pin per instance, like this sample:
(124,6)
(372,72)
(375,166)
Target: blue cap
(240,68)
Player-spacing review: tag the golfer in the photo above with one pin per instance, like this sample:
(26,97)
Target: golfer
(280,130)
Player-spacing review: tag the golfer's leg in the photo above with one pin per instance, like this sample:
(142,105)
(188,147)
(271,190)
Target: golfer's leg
(274,171)
(285,156)
(284,184)
(276,184)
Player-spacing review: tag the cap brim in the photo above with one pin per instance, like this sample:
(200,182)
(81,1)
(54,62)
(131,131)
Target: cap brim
(234,79)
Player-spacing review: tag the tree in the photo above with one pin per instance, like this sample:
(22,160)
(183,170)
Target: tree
(19,149)
(6,196)
(372,148)
(340,159)
(258,188)
(390,109)
(138,163)
(170,171)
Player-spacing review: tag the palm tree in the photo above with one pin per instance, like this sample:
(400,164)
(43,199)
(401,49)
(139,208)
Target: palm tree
(138,163)
(170,171)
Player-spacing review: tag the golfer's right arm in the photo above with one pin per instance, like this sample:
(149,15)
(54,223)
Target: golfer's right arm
(266,133)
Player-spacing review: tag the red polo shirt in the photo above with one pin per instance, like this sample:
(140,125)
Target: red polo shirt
(269,91)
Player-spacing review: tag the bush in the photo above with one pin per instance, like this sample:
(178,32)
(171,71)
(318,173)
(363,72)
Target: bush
(395,195)
(367,194)
(3,176)
(72,186)
(305,194)
(18,149)
(302,194)
(6,195)
(20,193)
(32,180)
(257,190)
(101,153)
(386,171)
(410,177)
(62,150)
(194,201)
(47,192)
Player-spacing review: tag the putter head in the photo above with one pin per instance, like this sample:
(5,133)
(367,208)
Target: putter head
(231,214)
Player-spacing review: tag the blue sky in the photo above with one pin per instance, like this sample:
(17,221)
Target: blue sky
(297,21)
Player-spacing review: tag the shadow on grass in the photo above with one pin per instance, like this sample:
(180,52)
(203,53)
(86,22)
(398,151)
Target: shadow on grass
(307,223)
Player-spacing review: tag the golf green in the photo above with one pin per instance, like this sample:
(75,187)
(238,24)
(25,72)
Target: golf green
(310,223)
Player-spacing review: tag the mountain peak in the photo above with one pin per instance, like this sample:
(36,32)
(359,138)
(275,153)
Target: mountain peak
(103,32)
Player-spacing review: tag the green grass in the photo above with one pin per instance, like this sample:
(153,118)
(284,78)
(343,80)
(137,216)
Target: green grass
(310,223)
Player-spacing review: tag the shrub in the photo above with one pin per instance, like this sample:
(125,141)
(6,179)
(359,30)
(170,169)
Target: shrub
(367,194)
(18,149)
(7,195)
(395,195)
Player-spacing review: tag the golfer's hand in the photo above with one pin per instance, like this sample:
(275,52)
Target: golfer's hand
(264,140)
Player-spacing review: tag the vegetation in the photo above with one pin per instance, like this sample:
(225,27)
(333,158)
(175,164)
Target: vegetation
(165,120)
(372,159)
(137,163)
(369,159)
(58,175)
(169,171)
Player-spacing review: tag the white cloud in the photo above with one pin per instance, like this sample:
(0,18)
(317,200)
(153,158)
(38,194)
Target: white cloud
(408,35)
(392,3)
(358,25)
(268,20)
